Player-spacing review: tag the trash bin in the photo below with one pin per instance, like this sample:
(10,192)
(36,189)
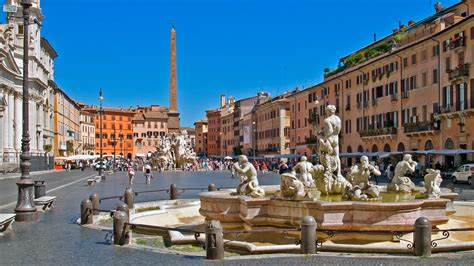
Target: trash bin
(40,189)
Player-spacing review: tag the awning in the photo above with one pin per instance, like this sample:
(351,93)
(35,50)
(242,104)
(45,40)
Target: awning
(139,155)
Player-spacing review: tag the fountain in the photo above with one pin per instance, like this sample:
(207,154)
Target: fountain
(174,152)
(335,202)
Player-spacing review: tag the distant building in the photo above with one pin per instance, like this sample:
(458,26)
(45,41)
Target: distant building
(200,128)
(67,131)
(87,125)
(150,125)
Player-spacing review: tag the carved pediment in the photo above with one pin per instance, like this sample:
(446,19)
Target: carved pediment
(7,62)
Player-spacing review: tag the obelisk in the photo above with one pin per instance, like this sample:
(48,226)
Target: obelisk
(173,114)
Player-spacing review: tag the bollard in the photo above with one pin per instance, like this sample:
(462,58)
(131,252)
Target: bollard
(94,198)
(211,187)
(308,235)
(128,197)
(102,177)
(124,207)
(120,230)
(86,211)
(214,241)
(422,237)
(40,189)
(173,192)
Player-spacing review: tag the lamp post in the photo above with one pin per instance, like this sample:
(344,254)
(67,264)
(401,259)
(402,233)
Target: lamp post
(100,132)
(114,142)
(25,208)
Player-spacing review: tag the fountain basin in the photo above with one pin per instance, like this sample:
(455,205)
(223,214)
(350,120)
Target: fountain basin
(238,211)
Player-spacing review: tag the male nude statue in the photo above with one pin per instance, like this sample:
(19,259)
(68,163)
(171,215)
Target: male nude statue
(332,128)
(248,179)
(302,170)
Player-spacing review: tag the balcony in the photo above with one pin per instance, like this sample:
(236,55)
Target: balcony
(374,101)
(456,42)
(348,107)
(459,72)
(420,128)
(359,105)
(378,132)
(313,118)
(311,140)
(366,104)
(405,94)
(394,97)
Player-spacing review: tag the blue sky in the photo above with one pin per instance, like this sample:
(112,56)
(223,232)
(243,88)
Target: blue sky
(234,47)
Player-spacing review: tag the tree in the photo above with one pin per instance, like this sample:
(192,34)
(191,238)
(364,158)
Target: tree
(69,146)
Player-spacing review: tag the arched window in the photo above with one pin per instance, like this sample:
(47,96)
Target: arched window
(386,147)
(401,147)
(360,148)
(449,144)
(428,145)
(375,148)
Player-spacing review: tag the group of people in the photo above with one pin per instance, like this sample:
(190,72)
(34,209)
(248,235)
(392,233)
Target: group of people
(146,170)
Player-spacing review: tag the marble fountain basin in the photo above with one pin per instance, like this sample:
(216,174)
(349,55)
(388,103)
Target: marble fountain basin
(393,213)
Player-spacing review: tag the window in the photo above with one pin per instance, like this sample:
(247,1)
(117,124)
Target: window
(435,50)
(20,29)
(424,55)
(405,62)
(413,59)
(423,79)
(435,76)
(448,64)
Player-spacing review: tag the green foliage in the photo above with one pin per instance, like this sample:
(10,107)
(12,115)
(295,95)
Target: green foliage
(47,147)
(69,146)
(354,60)
(400,36)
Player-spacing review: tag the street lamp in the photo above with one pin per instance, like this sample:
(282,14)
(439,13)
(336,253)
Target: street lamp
(102,176)
(25,208)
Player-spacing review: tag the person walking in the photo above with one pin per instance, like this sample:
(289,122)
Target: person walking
(389,171)
(131,174)
(148,173)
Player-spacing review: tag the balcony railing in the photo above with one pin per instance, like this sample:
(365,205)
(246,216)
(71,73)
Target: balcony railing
(461,106)
(366,104)
(374,101)
(419,127)
(458,42)
(313,118)
(359,105)
(405,94)
(348,107)
(394,97)
(378,132)
(459,72)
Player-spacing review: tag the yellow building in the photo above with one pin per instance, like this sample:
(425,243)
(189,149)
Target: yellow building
(67,129)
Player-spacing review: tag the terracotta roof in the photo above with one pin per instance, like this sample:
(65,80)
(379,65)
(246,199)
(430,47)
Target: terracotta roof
(155,115)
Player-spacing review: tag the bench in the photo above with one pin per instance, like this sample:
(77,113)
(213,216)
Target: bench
(6,220)
(45,201)
(90,181)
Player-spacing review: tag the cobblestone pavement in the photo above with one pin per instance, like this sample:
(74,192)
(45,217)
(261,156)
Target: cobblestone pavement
(55,239)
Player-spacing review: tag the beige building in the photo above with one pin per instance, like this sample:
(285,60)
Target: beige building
(200,129)
(272,125)
(150,125)
(87,125)
(412,90)
(67,131)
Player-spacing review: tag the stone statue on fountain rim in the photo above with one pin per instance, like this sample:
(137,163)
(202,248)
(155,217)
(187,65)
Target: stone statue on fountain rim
(330,134)
(302,171)
(248,178)
(359,176)
(400,182)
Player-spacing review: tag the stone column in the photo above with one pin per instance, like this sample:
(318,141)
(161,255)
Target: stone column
(2,109)
(18,123)
(32,110)
(11,119)
(5,125)
(41,122)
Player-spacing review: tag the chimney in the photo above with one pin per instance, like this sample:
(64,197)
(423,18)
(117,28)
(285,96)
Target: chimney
(222,100)
(438,8)
(411,23)
(231,100)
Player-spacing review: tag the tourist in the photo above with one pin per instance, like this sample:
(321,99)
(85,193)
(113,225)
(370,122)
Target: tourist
(283,168)
(438,166)
(389,171)
(264,167)
(147,170)
(131,175)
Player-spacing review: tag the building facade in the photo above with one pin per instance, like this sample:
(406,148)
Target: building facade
(67,130)
(41,93)
(200,129)
(412,90)
(150,125)
(87,125)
